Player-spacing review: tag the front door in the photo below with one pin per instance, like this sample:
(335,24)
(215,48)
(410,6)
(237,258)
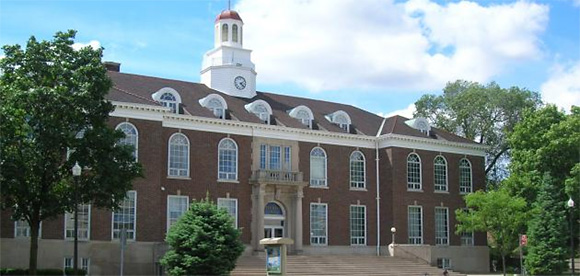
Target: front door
(273,231)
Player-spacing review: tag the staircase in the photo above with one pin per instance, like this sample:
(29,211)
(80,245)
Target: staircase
(340,265)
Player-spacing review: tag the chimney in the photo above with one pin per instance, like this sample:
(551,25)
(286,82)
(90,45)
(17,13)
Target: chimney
(112,66)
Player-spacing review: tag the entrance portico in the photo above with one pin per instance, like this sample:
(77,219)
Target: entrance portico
(277,207)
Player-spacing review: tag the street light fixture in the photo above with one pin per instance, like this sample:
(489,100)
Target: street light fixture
(571,207)
(76,172)
(393,231)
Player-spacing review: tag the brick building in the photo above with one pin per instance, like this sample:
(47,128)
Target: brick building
(331,176)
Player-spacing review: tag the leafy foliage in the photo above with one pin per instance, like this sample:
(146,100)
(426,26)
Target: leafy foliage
(482,113)
(547,246)
(54,113)
(203,242)
(499,214)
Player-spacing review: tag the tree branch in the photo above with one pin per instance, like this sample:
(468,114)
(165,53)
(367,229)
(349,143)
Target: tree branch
(497,156)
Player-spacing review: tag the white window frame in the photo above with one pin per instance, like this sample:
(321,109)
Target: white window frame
(134,221)
(319,182)
(178,170)
(340,118)
(124,141)
(206,102)
(84,264)
(467,238)
(416,240)
(414,186)
(28,230)
(439,238)
(463,189)
(157,97)
(440,187)
(299,112)
(264,116)
(221,200)
(68,216)
(444,263)
(168,224)
(358,185)
(357,238)
(223,175)
(266,157)
(315,240)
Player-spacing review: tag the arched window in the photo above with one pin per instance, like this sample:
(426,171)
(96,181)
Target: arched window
(318,167)
(178,155)
(168,100)
(227,159)
(303,114)
(235,33)
(341,119)
(131,136)
(225,32)
(261,109)
(465,183)
(440,173)
(357,170)
(413,172)
(273,209)
(216,103)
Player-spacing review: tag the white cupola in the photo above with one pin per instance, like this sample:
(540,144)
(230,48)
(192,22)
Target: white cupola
(228,66)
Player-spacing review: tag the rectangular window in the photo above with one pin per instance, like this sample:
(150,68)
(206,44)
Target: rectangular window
(176,206)
(443,263)
(22,229)
(84,264)
(358,224)
(84,223)
(467,238)
(263,154)
(125,217)
(275,158)
(288,159)
(231,205)
(441,226)
(415,224)
(318,223)
(68,263)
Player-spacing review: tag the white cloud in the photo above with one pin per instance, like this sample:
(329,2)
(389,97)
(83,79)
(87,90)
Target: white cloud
(93,44)
(405,112)
(563,86)
(379,44)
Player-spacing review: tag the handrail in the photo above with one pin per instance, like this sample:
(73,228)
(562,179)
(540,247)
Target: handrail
(277,176)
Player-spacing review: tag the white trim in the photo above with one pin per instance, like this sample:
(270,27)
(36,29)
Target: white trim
(218,159)
(157,95)
(447,222)
(420,172)
(325,221)
(403,141)
(167,226)
(294,113)
(29,231)
(136,137)
(250,108)
(470,176)
(237,209)
(89,225)
(325,168)
(350,224)
(205,102)
(422,225)
(169,156)
(134,220)
(364,160)
(446,175)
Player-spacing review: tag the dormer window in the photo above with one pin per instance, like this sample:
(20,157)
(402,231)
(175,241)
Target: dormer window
(303,114)
(168,97)
(261,109)
(216,104)
(341,119)
(420,124)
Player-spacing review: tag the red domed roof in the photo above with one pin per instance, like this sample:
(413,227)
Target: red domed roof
(228,14)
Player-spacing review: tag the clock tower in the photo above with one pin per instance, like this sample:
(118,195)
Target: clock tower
(228,66)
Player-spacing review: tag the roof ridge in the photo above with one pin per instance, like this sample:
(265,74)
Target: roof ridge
(394,124)
(134,95)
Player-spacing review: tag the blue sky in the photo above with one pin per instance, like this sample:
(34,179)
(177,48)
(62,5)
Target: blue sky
(380,55)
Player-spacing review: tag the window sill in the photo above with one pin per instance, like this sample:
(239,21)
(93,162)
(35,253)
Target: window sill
(415,191)
(318,187)
(179,177)
(319,245)
(80,240)
(441,192)
(464,193)
(359,189)
(358,245)
(228,181)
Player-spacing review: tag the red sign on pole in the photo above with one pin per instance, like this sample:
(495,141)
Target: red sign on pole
(524,240)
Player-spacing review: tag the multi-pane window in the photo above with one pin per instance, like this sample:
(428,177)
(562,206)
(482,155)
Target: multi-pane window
(465,183)
(168,100)
(178,155)
(318,167)
(85,264)
(467,238)
(262,112)
(176,207)
(22,229)
(225,32)
(357,170)
(318,223)
(304,118)
(443,263)
(84,222)
(231,206)
(125,217)
(440,173)
(415,225)
(342,122)
(441,226)
(358,224)
(131,137)
(216,108)
(275,158)
(235,33)
(227,160)
(413,172)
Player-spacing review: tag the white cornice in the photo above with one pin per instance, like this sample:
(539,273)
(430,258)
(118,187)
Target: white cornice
(179,121)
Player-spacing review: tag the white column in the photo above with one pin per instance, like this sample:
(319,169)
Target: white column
(298,219)
(259,234)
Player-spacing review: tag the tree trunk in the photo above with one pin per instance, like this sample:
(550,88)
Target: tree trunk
(34,227)
(503,262)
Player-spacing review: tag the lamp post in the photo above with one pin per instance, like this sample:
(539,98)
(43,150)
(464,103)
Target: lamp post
(392,245)
(571,207)
(393,231)
(76,171)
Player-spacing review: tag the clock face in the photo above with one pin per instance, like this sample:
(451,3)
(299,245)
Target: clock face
(240,82)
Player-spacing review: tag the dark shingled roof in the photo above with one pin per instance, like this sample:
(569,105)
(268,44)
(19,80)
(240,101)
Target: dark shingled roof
(138,89)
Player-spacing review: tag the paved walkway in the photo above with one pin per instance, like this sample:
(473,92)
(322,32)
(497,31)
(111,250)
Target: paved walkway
(340,265)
